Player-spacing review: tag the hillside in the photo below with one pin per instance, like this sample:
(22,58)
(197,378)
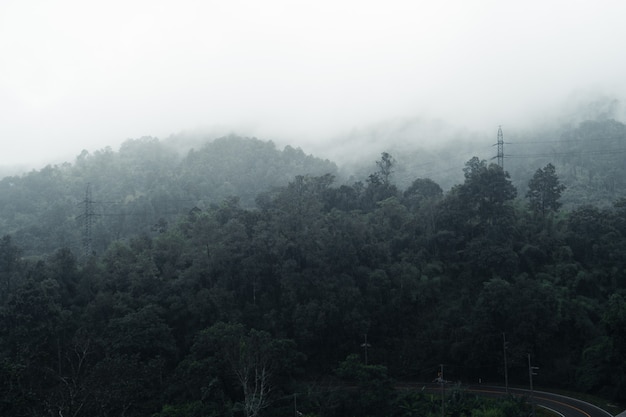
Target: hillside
(148,183)
(320,286)
(140,188)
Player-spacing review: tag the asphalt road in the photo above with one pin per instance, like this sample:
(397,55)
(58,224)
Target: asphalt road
(562,405)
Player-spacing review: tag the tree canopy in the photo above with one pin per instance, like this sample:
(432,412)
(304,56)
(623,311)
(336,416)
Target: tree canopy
(544,191)
(228,309)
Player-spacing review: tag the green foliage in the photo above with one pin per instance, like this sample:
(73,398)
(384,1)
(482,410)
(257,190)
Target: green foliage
(140,189)
(191,409)
(385,167)
(485,191)
(420,192)
(375,388)
(460,403)
(229,310)
(544,191)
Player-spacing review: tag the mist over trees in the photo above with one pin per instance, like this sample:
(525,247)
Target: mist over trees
(140,189)
(238,279)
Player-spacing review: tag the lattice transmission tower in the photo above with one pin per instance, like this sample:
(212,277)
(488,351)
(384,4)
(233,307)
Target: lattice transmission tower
(500,154)
(87,217)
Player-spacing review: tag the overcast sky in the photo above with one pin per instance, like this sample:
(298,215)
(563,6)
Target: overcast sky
(81,74)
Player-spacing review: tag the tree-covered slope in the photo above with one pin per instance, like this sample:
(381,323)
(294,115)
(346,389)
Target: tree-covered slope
(236,311)
(589,156)
(195,303)
(141,187)
(147,183)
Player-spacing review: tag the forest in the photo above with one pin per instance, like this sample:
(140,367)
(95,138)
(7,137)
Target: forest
(239,280)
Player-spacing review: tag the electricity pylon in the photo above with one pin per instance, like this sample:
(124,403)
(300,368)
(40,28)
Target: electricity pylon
(500,144)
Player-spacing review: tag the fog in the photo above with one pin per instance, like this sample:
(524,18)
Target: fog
(322,75)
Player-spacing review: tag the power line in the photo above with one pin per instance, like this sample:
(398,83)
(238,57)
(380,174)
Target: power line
(144,213)
(574,153)
(553,154)
(151,200)
(541,142)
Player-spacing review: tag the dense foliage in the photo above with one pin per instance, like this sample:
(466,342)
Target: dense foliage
(139,189)
(235,310)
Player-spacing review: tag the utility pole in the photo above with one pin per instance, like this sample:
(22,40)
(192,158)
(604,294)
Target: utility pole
(531,372)
(500,144)
(443,393)
(365,345)
(505,345)
(295,405)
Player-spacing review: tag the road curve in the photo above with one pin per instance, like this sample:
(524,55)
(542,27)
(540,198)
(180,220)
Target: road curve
(562,405)
(565,406)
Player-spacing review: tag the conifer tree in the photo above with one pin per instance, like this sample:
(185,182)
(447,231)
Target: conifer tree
(544,191)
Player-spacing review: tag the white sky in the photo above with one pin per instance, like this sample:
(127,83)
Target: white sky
(82,74)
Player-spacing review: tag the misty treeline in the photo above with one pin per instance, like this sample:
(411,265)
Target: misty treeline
(139,189)
(321,298)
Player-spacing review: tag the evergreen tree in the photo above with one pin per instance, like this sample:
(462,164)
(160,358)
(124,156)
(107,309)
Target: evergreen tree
(544,191)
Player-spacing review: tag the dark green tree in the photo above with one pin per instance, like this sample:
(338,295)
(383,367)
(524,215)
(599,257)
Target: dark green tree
(375,387)
(379,186)
(544,191)
(485,191)
(10,256)
(385,167)
(421,190)
(615,321)
(251,360)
